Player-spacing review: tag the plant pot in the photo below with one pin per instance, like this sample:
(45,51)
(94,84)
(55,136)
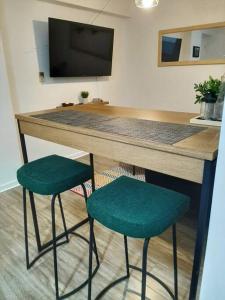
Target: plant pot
(202,110)
(218,111)
(83,100)
(207,110)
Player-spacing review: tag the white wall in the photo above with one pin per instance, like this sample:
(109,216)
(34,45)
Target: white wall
(169,88)
(136,79)
(214,44)
(26,22)
(214,268)
(26,44)
(9,154)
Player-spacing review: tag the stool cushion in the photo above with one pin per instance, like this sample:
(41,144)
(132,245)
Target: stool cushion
(135,208)
(53,175)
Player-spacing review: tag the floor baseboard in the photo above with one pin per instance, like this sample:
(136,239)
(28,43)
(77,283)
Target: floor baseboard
(8,186)
(77,155)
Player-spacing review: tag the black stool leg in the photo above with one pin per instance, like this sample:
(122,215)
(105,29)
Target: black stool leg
(25,227)
(63,218)
(127,256)
(144,268)
(94,241)
(91,222)
(35,221)
(85,196)
(175,262)
(54,246)
(93,172)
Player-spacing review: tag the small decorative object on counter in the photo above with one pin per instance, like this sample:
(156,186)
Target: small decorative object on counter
(67,104)
(218,109)
(97,100)
(83,97)
(207,95)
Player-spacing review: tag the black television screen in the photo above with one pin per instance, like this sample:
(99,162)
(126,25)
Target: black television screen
(77,50)
(170,49)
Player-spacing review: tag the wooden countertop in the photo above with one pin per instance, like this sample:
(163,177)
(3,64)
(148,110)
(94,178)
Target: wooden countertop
(203,145)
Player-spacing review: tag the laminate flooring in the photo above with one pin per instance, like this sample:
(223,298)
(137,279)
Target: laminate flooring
(16,283)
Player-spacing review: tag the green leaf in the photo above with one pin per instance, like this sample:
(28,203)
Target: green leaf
(210,87)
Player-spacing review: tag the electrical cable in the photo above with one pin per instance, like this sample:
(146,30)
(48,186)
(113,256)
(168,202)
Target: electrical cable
(100,12)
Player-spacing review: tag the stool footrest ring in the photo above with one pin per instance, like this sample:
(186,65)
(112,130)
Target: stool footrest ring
(77,289)
(80,286)
(156,279)
(42,253)
(48,247)
(69,231)
(112,284)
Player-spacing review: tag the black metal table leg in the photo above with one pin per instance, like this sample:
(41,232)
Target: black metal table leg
(32,203)
(23,144)
(175,262)
(195,191)
(203,222)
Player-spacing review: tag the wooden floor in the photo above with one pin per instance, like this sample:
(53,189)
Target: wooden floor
(16,283)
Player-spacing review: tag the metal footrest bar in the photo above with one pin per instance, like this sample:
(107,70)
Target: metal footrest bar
(111,285)
(81,286)
(143,270)
(156,279)
(114,283)
(74,291)
(48,246)
(46,250)
(69,231)
(42,253)
(64,296)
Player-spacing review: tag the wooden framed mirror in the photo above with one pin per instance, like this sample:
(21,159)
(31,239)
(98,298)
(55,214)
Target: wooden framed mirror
(194,45)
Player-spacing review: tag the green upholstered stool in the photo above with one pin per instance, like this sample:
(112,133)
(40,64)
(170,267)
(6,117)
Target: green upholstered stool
(139,210)
(53,175)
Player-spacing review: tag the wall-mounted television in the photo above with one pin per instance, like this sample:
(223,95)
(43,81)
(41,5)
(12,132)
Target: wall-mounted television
(79,50)
(171,49)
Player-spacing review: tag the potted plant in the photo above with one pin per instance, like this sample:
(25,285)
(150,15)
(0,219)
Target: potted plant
(207,94)
(218,110)
(83,97)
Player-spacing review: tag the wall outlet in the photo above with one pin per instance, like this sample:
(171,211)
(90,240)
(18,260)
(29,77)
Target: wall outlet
(41,77)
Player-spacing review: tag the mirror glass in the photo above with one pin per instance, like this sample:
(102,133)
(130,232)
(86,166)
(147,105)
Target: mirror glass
(203,46)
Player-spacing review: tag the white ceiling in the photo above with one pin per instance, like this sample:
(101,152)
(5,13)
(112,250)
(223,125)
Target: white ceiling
(117,7)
